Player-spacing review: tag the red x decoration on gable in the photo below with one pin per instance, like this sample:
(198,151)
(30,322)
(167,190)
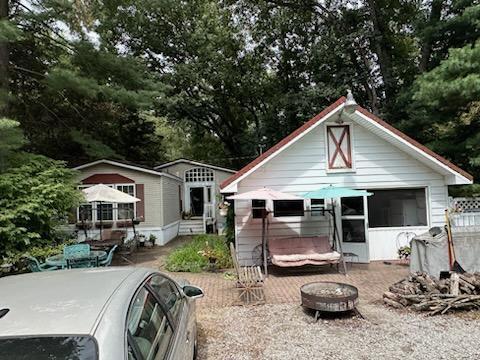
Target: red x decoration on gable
(339,147)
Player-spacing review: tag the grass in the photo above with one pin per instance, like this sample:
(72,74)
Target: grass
(189,258)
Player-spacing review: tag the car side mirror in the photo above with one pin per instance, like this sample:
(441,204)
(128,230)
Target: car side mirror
(193,292)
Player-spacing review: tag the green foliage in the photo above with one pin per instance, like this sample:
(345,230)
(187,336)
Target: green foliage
(11,140)
(230,225)
(35,197)
(447,107)
(189,257)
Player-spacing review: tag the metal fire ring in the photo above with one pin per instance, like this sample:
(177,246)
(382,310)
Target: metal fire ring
(328,303)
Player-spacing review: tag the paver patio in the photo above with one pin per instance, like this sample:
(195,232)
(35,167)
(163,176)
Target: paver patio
(281,286)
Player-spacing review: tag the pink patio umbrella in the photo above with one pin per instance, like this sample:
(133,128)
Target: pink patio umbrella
(264,194)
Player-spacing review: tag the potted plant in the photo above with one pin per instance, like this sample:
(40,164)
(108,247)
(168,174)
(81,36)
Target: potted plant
(186,215)
(151,241)
(223,208)
(404,254)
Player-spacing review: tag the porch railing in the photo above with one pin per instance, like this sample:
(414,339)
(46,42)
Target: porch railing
(467,219)
(208,213)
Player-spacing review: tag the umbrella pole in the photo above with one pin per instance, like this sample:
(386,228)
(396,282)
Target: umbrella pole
(264,244)
(337,237)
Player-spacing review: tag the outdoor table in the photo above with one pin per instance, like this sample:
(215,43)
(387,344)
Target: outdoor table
(60,261)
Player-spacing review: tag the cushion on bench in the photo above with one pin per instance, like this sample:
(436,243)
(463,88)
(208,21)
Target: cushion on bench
(298,251)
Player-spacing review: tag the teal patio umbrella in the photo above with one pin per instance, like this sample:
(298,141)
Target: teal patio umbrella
(333,192)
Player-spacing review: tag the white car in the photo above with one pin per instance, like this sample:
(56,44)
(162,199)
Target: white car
(97,314)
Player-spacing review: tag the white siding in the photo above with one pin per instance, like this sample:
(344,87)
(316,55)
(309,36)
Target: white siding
(170,200)
(153,210)
(302,167)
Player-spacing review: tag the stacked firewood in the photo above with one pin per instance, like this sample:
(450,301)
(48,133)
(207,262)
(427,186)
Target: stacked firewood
(421,292)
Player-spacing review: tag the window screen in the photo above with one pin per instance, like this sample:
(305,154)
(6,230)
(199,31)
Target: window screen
(258,207)
(288,208)
(397,207)
(317,207)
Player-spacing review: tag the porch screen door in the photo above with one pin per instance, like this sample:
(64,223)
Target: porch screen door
(353,227)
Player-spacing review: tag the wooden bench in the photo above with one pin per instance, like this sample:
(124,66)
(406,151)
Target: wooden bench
(249,282)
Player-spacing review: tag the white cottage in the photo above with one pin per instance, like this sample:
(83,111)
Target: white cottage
(353,148)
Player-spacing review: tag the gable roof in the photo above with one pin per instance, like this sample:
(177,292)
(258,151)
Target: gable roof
(192,162)
(127,166)
(319,118)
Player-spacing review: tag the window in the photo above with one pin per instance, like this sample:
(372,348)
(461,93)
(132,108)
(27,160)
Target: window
(49,347)
(199,175)
(148,328)
(287,208)
(258,208)
(126,211)
(352,206)
(397,208)
(353,230)
(168,294)
(353,219)
(104,212)
(85,212)
(317,207)
(339,147)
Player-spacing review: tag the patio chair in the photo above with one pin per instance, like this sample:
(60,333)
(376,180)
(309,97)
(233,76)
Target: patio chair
(35,266)
(108,260)
(76,251)
(249,282)
(80,263)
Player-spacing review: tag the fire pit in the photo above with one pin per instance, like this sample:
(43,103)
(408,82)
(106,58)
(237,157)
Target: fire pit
(326,296)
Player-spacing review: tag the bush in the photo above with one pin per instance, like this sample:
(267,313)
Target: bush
(189,257)
(35,198)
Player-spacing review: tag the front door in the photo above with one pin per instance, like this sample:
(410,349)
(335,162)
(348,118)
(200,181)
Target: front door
(352,214)
(196,201)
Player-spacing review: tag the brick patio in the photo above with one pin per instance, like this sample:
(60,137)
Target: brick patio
(281,286)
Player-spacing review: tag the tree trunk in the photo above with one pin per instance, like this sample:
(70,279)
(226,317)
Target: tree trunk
(3,60)
(382,48)
(435,15)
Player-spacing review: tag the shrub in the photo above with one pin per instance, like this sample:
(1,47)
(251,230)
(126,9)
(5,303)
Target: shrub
(189,257)
(35,198)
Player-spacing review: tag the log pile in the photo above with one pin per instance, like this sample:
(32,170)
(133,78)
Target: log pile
(421,292)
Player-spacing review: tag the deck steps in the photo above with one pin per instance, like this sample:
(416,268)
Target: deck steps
(191,227)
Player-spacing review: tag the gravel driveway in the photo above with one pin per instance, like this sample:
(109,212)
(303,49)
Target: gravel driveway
(286,332)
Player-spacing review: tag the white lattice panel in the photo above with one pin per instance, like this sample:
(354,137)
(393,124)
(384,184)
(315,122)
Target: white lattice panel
(466,204)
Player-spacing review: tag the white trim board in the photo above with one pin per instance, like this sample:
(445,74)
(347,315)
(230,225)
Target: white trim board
(452,177)
(126,166)
(197,163)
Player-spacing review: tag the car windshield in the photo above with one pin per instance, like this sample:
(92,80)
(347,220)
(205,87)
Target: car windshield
(49,348)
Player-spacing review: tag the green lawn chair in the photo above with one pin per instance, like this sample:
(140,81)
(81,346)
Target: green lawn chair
(35,266)
(108,260)
(76,251)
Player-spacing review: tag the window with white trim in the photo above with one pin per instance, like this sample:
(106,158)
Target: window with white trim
(107,211)
(339,147)
(288,208)
(199,174)
(126,211)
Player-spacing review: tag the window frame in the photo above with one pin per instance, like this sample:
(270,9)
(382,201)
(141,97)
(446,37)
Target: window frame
(426,189)
(171,322)
(352,168)
(275,211)
(115,217)
(256,211)
(318,209)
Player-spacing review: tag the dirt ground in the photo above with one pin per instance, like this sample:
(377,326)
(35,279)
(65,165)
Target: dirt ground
(286,331)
